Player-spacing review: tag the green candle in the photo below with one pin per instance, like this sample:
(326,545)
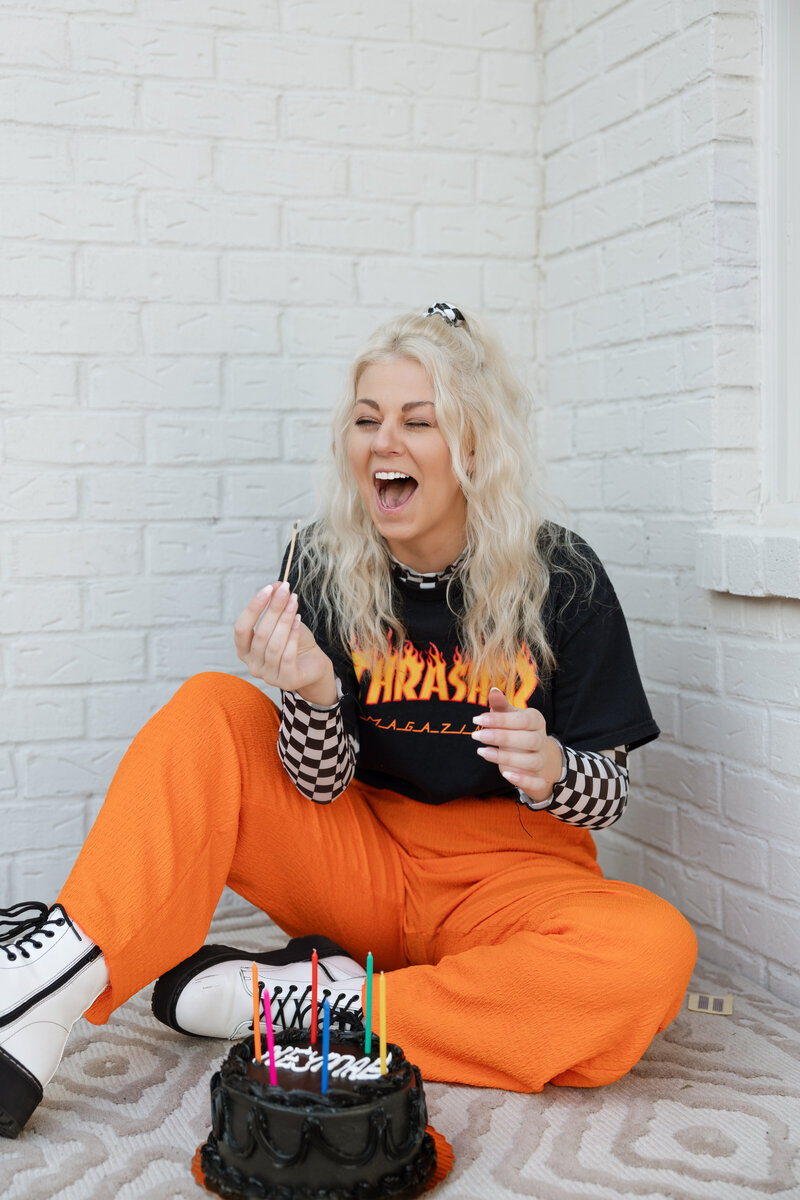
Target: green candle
(368,1014)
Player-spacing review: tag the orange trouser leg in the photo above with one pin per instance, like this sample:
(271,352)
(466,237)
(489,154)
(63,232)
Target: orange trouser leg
(201,799)
(511,960)
(575,1001)
(529,967)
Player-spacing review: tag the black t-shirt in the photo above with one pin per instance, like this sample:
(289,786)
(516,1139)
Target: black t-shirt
(412,716)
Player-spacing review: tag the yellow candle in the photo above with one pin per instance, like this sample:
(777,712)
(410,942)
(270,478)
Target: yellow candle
(382,987)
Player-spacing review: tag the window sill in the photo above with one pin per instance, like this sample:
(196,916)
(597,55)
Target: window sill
(750,560)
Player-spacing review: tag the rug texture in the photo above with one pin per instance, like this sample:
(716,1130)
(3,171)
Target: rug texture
(712,1110)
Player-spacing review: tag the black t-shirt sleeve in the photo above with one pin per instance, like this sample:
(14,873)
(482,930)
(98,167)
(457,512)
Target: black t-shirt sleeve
(597,699)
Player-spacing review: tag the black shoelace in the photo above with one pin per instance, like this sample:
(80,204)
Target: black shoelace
(345,1008)
(18,931)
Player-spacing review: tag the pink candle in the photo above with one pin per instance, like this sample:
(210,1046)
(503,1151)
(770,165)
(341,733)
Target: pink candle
(273,1075)
(382,989)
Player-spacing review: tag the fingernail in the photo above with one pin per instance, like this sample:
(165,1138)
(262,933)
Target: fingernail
(284,586)
(511,776)
(265,591)
(481,720)
(483,751)
(479,735)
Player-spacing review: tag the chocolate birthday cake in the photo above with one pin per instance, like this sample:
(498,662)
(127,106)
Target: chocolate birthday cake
(364,1138)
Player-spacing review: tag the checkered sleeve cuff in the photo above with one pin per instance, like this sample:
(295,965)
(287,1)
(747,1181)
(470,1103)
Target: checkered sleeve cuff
(314,748)
(592,791)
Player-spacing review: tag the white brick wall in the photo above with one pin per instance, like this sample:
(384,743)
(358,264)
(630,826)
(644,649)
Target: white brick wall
(204,206)
(651,381)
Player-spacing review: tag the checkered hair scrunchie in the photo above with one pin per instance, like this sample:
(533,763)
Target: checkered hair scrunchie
(448,311)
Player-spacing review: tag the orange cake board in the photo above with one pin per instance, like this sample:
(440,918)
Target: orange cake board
(444,1161)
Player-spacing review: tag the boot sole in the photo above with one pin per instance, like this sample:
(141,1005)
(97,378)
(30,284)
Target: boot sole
(169,986)
(20,1093)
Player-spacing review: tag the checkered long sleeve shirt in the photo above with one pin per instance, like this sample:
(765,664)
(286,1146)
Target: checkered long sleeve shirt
(592,790)
(320,759)
(314,748)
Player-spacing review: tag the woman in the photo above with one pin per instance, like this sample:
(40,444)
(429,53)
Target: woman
(458,677)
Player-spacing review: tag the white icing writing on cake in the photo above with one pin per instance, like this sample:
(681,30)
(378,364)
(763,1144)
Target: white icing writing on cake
(303,1059)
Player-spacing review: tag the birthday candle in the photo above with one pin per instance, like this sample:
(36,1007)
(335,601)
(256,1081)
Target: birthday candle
(291,552)
(273,1075)
(313,997)
(383,1022)
(256,1014)
(368,1013)
(326,1036)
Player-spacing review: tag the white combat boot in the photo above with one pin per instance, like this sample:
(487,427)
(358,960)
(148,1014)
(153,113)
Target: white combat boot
(49,975)
(211,993)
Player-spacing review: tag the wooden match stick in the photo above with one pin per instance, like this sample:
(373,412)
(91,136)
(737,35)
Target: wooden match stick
(291,552)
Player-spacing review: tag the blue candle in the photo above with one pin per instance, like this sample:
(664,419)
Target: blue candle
(326,1039)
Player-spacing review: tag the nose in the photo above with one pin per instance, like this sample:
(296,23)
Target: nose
(387,438)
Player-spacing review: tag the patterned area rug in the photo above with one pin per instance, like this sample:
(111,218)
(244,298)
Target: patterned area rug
(712,1110)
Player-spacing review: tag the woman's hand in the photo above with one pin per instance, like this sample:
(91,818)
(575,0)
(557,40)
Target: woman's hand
(275,646)
(516,739)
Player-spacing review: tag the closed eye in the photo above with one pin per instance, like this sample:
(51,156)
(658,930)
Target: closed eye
(365,421)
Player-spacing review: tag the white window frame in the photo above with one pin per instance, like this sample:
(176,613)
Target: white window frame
(780,263)
(759,553)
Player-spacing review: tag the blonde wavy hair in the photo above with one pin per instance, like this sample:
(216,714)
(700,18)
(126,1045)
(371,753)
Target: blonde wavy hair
(483,412)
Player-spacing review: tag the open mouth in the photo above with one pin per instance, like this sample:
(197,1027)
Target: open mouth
(394,489)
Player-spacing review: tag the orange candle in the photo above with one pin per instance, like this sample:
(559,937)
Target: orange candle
(313,998)
(256,1014)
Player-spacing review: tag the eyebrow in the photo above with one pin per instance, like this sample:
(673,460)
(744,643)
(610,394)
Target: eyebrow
(405,408)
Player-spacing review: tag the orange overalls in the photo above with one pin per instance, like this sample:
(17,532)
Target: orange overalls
(510,960)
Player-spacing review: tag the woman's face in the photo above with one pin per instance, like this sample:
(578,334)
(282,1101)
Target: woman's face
(402,466)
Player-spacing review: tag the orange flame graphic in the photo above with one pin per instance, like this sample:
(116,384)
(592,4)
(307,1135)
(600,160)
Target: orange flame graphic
(523,680)
(414,676)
